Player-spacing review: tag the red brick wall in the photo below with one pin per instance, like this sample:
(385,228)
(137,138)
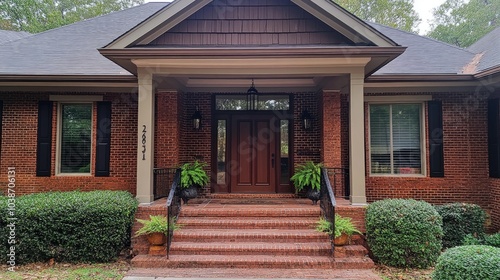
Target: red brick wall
(19,144)
(167,130)
(196,144)
(465,155)
(307,143)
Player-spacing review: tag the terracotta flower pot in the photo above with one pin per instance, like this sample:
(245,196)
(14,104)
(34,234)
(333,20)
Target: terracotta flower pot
(156,238)
(341,240)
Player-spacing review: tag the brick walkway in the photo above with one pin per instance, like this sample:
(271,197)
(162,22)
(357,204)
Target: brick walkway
(234,273)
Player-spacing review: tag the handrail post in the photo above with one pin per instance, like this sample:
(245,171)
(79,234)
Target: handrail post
(173,208)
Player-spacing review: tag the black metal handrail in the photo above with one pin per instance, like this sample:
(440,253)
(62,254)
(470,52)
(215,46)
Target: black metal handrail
(173,208)
(162,181)
(328,203)
(339,176)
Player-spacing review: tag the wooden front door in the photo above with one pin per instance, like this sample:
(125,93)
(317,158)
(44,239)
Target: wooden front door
(254,152)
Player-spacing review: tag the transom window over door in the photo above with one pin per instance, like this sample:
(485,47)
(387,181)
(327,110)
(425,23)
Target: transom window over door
(238,102)
(396,139)
(75,138)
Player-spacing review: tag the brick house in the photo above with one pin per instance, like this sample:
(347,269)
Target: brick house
(100,103)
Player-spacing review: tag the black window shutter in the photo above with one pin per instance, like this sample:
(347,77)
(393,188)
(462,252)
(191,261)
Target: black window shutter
(1,124)
(493,143)
(436,157)
(44,140)
(103,145)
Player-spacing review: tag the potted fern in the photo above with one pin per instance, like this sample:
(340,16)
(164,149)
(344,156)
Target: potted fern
(308,176)
(344,229)
(192,177)
(155,230)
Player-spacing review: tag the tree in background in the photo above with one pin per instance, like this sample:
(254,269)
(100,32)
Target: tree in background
(462,23)
(399,14)
(39,15)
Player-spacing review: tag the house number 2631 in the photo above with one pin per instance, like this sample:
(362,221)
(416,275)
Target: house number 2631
(143,142)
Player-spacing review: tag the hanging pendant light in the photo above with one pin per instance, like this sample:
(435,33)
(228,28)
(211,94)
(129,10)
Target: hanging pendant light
(252,97)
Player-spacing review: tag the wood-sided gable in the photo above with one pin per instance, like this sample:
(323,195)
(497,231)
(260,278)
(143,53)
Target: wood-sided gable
(251,23)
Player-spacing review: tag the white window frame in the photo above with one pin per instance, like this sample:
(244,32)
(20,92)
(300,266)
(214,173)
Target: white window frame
(394,100)
(59,138)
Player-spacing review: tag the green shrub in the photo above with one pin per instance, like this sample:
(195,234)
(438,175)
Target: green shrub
(404,233)
(489,240)
(68,226)
(460,219)
(468,263)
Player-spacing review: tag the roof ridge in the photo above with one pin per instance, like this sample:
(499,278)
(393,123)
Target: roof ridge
(425,37)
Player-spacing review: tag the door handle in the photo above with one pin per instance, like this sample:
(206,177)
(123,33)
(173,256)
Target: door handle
(272,160)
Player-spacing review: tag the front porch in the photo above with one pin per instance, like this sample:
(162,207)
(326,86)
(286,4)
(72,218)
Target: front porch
(275,231)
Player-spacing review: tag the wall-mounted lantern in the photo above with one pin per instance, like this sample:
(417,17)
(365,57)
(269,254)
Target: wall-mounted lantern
(196,119)
(306,120)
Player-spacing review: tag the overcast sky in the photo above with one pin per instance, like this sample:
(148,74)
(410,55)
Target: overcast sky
(423,8)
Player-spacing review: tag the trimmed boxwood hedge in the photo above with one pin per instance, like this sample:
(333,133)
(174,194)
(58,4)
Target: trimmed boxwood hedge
(460,219)
(404,233)
(68,226)
(473,262)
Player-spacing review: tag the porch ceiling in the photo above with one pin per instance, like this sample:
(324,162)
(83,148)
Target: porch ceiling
(276,74)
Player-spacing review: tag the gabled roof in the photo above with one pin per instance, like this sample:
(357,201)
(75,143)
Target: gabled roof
(72,49)
(489,46)
(424,55)
(7,35)
(325,10)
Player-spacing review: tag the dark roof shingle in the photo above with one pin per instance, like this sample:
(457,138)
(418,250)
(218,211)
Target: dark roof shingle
(490,46)
(7,35)
(72,49)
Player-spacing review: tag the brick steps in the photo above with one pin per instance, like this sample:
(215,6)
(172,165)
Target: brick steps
(249,235)
(238,232)
(251,248)
(236,261)
(247,223)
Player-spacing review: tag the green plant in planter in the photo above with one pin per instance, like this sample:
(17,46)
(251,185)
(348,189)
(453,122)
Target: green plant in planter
(307,175)
(155,224)
(192,174)
(343,225)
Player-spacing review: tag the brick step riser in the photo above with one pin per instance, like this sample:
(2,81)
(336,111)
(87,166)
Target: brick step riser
(186,251)
(230,240)
(232,264)
(267,214)
(245,226)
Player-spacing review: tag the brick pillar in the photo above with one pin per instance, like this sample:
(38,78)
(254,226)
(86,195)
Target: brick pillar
(331,134)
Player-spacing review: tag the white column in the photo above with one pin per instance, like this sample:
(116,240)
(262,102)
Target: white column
(145,137)
(357,138)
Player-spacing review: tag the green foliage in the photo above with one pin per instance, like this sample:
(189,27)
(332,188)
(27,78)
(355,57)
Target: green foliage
(156,223)
(68,226)
(489,240)
(192,174)
(39,15)
(475,262)
(404,233)
(399,14)
(460,219)
(342,225)
(462,23)
(307,175)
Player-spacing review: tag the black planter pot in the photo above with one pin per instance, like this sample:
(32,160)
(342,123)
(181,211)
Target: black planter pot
(188,193)
(313,195)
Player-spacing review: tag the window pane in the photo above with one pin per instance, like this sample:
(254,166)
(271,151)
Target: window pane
(231,102)
(406,138)
(276,102)
(380,139)
(284,150)
(76,129)
(221,152)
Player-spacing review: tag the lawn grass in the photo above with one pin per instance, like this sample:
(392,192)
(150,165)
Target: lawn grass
(105,271)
